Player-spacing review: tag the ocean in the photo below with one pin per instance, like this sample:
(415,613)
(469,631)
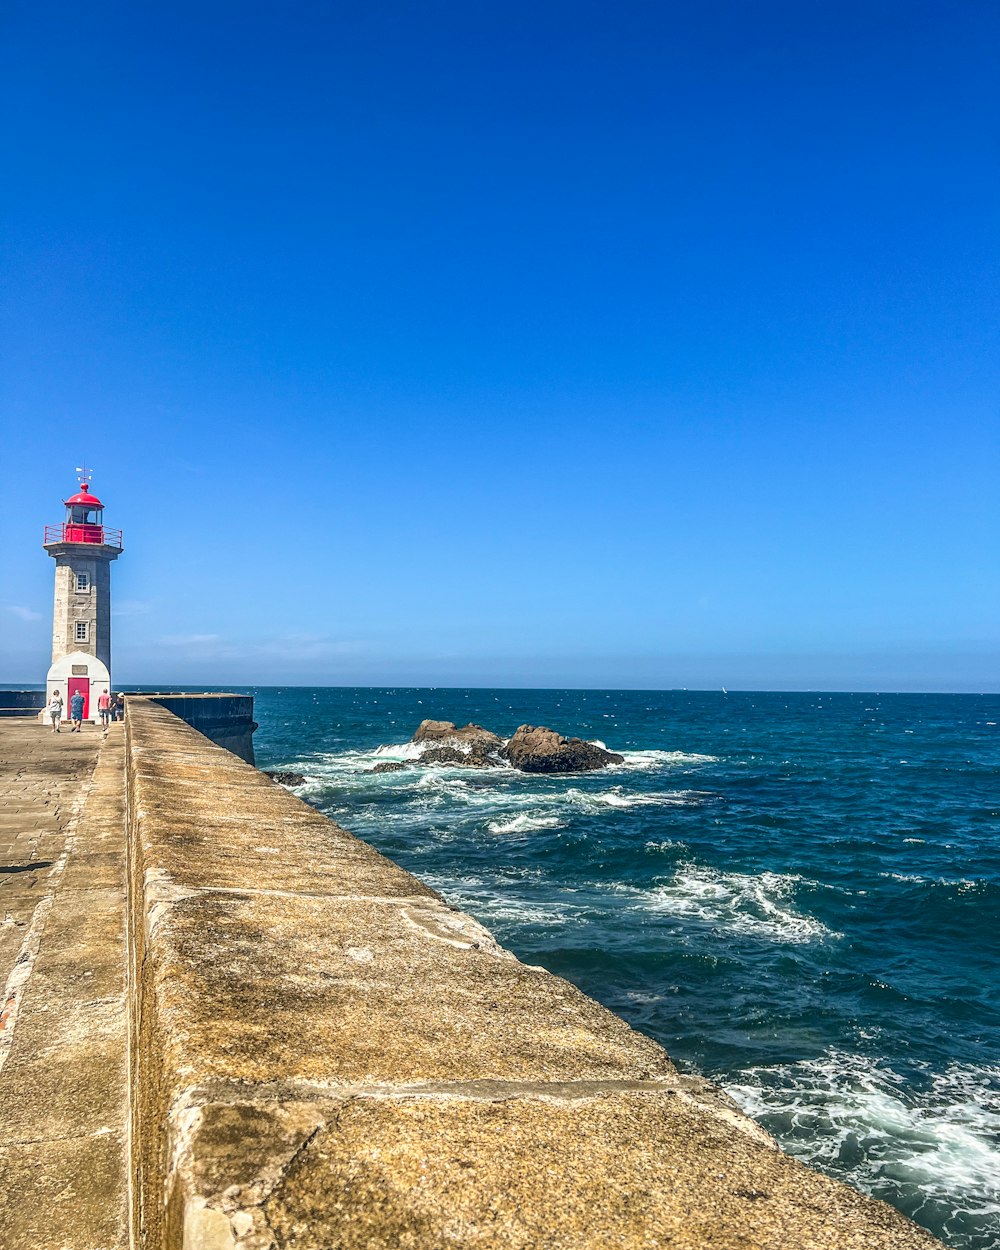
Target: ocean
(798,895)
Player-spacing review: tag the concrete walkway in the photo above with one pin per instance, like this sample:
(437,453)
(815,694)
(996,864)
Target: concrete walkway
(63,1029)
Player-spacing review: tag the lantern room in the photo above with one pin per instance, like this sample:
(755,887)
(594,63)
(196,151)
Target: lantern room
(84,517)
(84,522)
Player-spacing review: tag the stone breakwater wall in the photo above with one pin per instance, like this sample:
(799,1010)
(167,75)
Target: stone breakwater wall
(227,719)
(21,702)
(325,1054)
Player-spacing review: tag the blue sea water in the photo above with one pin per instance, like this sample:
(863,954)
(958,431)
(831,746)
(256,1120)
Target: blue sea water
(798,895)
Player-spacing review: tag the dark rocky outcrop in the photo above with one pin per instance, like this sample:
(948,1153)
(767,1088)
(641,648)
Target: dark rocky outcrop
(477,757)
(390,766)
(541,750)
(286,779)
(531,749)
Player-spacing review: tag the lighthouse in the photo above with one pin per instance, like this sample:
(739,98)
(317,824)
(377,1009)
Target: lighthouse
(83,548)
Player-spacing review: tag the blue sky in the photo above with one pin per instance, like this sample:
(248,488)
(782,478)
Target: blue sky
(521,344)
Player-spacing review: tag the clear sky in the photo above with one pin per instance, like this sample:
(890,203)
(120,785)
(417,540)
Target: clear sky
(643,344)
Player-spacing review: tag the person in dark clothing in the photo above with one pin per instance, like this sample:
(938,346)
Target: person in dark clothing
(76,711)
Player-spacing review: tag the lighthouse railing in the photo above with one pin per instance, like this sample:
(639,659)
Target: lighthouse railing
(70,533)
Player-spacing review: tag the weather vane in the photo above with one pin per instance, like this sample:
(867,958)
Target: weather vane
(86,474)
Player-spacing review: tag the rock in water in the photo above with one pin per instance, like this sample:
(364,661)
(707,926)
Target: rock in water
(286,779)
(433,730)
(541,750)
(474,758)
(472,745)
(390,766)
(443,755)
(444,733)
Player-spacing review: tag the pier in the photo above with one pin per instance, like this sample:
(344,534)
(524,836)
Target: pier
(231,1025)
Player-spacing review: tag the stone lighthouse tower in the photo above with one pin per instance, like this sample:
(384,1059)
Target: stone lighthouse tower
(83,548)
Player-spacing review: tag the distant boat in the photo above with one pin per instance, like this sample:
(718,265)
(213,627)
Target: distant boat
(724,690)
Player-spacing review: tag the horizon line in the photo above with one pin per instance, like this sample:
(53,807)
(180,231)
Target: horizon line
(168,688)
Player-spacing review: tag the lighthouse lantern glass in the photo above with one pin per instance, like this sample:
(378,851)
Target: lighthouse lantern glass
(84,523)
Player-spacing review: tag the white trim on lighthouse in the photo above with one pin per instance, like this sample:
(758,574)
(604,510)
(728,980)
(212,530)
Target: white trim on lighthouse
(78,664)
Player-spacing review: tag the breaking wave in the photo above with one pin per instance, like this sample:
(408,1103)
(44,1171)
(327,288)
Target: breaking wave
(617,797)
(643,761)
(524,824)
(760,906)
(918,1143)
(501,908)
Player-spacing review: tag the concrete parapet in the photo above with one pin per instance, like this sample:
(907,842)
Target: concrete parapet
(227,719)
(21,702)
(326,1054)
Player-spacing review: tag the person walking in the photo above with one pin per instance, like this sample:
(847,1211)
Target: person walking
(55,710)
(118,707)
(104,707)
(76,712)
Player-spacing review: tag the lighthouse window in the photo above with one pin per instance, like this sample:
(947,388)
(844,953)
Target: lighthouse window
(81,631)
(83,581)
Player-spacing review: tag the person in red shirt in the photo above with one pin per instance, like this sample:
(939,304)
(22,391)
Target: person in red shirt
(104,707)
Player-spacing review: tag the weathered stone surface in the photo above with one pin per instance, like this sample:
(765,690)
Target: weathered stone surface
(444,733)
(373,991)
(286,778)
(541,750)
(228,827)
(63,1040)
(334,1057)
(390,766)
(64,1194)
(634,1169)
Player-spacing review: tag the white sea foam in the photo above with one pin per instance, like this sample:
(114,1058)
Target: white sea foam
(617,797)
(635,761)
(524,824)
(354,762)
(612,798)
(399,751)
(493,908)
(442,779)
(505,800)
(641,761)
(938,1143)
(758,906)
(964,885)
(497,910)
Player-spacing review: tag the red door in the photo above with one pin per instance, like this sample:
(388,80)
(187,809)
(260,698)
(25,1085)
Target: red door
(81,684)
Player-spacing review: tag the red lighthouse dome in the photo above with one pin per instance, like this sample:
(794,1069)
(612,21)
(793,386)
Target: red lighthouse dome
(84,499)
(84,522)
